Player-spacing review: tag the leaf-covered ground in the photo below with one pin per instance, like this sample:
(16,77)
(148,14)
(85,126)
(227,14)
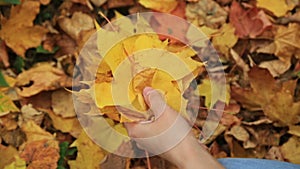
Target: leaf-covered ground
(257,42)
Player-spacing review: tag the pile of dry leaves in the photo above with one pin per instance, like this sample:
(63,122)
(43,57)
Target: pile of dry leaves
(256,41)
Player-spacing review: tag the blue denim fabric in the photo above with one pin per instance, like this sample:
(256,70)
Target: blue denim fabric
(250,163)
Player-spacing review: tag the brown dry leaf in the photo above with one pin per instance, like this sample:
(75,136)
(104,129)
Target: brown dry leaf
(240,133)
(263,85)
(41,100)
(9,121)
(89,154)
(291,150)
(79,22)
(66,45)
(236,150)
(264,135)
(276,67)
(41,154)
(62,103)
(118,3)
(20,26)
(7,155)
(113,161)
(206,13)
(15,137)
(240,63)
(274,153)
(30,113)
(251,22)
(165,25)
(287,42)
(39,78)
(276,100)
(3,54)
(35,133)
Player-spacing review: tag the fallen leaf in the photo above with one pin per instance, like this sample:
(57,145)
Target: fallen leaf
(14,138)
(7,105)
(3,54)
(67,125)
(240,133)
(164,24)
(9,121)
(18,163)
(206,13)
(29,113)
(264,135)
(89,154)
(275,99)
(40,78)
(251,22)
(160,5)
(118,3)
(62,102)
(213,92)
(274,153)
(20,25)
(277,7)
(79,22)
(276,67)
(225,40)
(286,42)
(41,154)
(35,133)
(113,161)
(7,155)
(291,150)
(145,76)
(295,130)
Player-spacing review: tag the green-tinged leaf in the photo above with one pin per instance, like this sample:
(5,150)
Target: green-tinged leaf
(6,104)
(19,64)
(40,49)
(10,2)
(71,151)
(62,152)
(3,82)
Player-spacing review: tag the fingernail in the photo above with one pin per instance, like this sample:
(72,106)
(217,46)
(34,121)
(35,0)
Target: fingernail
(147,91)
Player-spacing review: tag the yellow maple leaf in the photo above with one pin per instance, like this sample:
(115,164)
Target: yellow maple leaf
(225,40)
(291,150)
(136,62)
(278,7)
(286,42)
(89,154)
(160,5)
(18,163)
(213,92)
(20,26)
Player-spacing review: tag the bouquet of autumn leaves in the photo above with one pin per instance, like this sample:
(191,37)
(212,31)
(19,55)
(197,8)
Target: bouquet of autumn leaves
(149,62)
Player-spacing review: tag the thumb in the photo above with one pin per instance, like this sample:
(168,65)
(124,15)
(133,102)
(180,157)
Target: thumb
(155,101)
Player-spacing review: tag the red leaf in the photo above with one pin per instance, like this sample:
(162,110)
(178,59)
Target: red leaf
(168,27)
(248,22)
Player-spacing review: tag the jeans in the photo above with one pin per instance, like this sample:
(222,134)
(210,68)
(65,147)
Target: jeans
(251,163)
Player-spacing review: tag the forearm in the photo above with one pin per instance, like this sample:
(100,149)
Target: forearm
(189,154)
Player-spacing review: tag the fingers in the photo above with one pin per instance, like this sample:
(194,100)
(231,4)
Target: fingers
(155,101)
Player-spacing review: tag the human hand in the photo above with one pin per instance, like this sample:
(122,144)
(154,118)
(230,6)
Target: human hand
(169,135)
